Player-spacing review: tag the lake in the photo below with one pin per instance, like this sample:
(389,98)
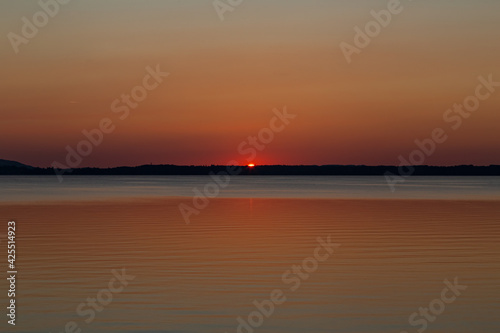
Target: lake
(267,254)
(47,188)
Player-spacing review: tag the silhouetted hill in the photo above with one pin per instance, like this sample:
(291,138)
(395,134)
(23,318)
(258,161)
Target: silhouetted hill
(15,168)
(6,163)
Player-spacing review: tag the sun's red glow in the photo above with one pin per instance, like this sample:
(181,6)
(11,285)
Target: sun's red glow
(251,165)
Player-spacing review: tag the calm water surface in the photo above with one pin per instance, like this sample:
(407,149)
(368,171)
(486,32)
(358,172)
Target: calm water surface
(396,249)
(37,188)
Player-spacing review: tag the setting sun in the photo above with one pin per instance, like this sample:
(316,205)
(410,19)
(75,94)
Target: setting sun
(251,165)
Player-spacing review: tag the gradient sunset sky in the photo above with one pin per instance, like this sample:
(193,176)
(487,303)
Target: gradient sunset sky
(227,76)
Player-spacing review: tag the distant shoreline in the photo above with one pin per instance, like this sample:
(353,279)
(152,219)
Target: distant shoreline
(262,170)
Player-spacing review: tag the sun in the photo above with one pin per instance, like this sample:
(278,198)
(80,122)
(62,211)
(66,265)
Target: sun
(251,165)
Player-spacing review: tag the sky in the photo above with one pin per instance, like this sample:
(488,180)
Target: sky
(227,76)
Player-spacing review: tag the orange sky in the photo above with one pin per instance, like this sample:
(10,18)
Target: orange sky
(227,76)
